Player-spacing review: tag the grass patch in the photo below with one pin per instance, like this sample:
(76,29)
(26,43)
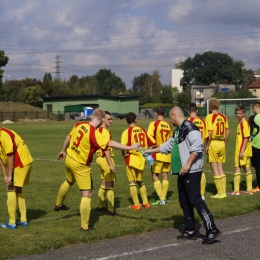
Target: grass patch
(49,230)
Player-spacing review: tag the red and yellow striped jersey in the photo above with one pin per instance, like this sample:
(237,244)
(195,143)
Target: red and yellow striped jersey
(104,131)
(218,124)
(243,131)
(201,124)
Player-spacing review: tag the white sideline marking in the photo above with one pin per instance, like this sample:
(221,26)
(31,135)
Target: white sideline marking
(169,245)
(135,252)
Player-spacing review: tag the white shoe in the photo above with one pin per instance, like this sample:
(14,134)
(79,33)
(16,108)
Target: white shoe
(202,197)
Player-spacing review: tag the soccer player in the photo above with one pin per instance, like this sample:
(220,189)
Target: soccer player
(107,170)
(134,160)
(218,129)
(201,124)
(243,152)
(15,156)
(161,131)
(254,122)
(78,149)
(186,149)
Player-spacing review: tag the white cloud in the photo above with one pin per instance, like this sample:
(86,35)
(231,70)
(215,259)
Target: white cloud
(129,36)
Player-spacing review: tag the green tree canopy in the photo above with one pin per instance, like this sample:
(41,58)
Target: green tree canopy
(166,95)
(31,96)
(151,89)
(138,82)
(3,61)
(108,81)
(211,67)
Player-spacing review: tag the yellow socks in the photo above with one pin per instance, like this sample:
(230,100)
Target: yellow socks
(11,205)
(165,186)
(237,179)
(110,199)
(202,184)
(22,206)
(63,191)
(217,180)
(133,192)
(85,208)
(223,183)
(143,194)
(158,188)
(249,180)
(101,196)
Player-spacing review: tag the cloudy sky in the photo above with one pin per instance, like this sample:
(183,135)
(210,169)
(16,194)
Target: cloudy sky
(128,36)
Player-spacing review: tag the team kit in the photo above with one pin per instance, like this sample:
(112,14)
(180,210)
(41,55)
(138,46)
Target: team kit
(179,151)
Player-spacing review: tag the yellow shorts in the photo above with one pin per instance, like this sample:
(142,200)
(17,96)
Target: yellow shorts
(217,151)
(105,173)
(159,167)
(134,174)
(21,176)
(78,172)
(245,162)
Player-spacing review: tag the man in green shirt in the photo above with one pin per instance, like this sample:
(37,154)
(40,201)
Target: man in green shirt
(254,122)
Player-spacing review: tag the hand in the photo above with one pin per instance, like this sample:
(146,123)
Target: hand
(241,155)
(8,180)
(134,146)
(185,168)
(61,155)
(207,150)
(112,168)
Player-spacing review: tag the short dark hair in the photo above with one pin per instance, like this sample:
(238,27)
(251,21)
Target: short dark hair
(241,108)
(193,107)
(107,113)
(256,104)
(160,111)
(130,117)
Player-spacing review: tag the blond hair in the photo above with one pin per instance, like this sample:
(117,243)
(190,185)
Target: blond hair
(98,113)
(214,103)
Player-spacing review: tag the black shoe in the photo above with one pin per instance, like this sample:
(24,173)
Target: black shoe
(186,235)
(109,213)
(211,236)
(90,228)
(63,207)
(101,209)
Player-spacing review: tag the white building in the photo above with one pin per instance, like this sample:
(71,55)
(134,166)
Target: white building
(176,75)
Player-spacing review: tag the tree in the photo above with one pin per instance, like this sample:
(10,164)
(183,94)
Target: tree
(151,89)
(211,67)
(248,77)
(88,85)
(178,64)
(31,96)
(184,98)
(138,82)
(175,94)
(108,81)
(3,61)
(47,84)
(166,95)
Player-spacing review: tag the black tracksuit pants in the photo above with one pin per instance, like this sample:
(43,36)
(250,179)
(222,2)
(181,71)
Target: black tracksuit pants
(190,198)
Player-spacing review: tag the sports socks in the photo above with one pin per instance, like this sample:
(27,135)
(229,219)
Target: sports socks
(11,205)
(133,192)
(249,180)
(217,180)
(223,183)
(237,179)
(158,188)
(202,184)
(165,186)
(85,208)
(63,191)
(22,206)
(101,196)
(110,199)
(143,193)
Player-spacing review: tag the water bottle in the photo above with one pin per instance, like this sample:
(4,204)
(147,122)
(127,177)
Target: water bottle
(148,157)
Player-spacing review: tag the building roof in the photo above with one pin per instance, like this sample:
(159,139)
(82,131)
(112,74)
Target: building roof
(254,84)
(91,96)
